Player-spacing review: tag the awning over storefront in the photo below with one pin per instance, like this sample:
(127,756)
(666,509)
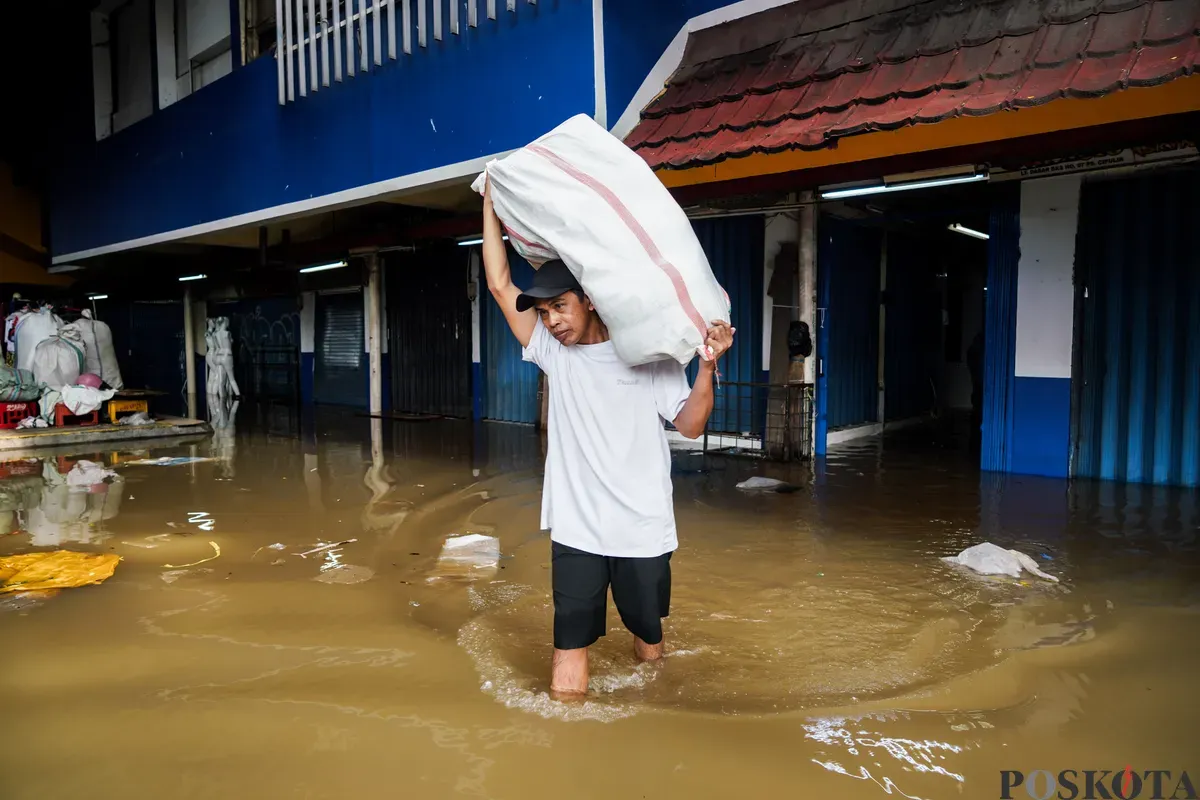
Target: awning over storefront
(806,75)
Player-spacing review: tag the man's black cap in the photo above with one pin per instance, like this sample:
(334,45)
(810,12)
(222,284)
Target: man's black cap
(553,279)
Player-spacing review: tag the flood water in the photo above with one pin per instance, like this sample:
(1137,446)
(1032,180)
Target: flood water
(817,646)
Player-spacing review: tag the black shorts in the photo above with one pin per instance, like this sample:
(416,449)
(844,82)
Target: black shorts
(641,589)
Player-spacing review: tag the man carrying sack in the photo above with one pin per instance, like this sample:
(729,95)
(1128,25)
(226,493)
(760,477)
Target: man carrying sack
(607,499)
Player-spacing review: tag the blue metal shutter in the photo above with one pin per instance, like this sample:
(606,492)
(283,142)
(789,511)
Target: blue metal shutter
(1138,370)
(1000,330)
(734,247)
(848,272)
(511,384)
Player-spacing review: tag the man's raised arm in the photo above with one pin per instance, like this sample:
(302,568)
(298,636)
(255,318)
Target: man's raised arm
(499,276)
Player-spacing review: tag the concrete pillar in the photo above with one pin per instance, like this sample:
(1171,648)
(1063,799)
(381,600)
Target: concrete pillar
(375,332)
(806,303)
(1041,435)
(189,353)
(477,387)
(308,342)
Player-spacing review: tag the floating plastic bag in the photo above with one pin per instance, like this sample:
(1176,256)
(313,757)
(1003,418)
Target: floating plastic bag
(759,484)
(58,360)
(33,329)
(579,194)
(462,556)
(100,354)
(61,569)
(990,559)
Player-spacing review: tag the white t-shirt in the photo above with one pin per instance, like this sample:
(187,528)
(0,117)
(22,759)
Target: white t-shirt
(608,470)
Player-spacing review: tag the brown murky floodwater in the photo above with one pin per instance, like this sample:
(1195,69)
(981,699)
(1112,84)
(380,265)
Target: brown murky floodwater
(817,646)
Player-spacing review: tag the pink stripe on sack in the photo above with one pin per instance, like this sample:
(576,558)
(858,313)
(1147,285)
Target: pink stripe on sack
(533,245)
(635,227)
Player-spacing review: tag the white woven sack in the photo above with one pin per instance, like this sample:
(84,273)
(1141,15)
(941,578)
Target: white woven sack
(35,328)
(579,194)
(59,360)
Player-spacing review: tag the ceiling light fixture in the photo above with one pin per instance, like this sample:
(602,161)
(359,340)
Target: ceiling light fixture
(193,277)
(97,297)
(963,229)
(883,187)
(477,240)
(323,267)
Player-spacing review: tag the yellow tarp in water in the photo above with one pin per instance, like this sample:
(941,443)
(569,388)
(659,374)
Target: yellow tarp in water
(61,569)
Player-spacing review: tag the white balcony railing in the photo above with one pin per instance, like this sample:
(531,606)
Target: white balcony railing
(319,42)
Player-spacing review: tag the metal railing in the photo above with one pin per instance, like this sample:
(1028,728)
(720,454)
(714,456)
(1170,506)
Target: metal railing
(319,41)
(761,420)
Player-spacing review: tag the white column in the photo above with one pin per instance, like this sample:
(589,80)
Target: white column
(1045,288)
(807,301)
(189,353)
(375,331)
(164,50)
(102,75)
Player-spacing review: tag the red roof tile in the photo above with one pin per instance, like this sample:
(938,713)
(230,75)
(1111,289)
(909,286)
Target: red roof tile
(812,71)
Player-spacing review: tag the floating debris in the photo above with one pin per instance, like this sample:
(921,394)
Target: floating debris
(324,547)
(60,569)
(167,461)
(760,484)
(216,554)
(991,559)
(346,574)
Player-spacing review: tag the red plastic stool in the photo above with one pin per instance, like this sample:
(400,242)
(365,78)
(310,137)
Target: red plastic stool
(11,414)
(63,417)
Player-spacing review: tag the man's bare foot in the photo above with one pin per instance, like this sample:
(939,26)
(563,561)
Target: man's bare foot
(647,652)
(569,674)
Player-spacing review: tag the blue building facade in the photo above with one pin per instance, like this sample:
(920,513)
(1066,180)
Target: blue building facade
(255,142)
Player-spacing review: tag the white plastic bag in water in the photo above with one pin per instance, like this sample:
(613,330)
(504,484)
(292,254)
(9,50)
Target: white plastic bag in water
(990,559)
(464,556)
(579,194)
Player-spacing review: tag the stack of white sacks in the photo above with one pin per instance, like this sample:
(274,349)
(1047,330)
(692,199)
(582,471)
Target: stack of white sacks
(58,354)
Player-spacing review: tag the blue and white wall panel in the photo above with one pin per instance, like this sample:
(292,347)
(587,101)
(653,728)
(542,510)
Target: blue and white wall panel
(230,155)
(1045,327)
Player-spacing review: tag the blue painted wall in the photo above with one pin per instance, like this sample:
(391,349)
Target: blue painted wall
(149,341)
(510,384)
(1138,347)
(636,33)
(735,252)
(1000,330)
(848,259)
(1041,429)
(230,148)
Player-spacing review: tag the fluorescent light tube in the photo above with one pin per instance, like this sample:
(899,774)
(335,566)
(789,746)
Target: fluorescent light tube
(469,242)
(323,267)
(193,277)
(884,188)
(968,231)
(97,297)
